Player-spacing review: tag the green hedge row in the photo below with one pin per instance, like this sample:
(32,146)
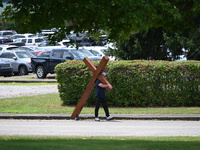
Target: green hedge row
(135,83)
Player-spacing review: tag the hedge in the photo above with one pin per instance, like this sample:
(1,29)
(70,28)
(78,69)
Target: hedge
(137,83)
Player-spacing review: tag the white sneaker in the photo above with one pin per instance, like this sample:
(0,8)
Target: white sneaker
(109,118)
(97,119)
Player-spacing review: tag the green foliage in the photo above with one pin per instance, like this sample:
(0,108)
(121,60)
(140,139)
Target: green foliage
(135,83)
(120,18)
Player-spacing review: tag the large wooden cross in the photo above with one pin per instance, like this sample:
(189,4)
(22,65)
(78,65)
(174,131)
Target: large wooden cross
(96,75)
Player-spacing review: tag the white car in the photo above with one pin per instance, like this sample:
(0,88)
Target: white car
(45,45)
(20,60)
(99,51)
(25,35)
(30,41)
(4,48)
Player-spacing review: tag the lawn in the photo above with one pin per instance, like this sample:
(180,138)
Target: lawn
(51,103)
(144,143)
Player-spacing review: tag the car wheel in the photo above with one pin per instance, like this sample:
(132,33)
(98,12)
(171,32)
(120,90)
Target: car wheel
(23,70)
(40,72)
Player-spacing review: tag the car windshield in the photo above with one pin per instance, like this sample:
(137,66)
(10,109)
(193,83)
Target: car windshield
(39,40)
(7,33)
(82,53)
(24,54)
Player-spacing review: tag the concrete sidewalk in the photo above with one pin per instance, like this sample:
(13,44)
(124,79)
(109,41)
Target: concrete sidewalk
(189,117)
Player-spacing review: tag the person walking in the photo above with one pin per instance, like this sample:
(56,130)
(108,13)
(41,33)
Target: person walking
(100,95)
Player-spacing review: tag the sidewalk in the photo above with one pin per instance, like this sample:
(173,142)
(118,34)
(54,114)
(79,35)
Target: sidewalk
(186,117)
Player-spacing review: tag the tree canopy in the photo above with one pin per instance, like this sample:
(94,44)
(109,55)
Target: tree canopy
(118,18)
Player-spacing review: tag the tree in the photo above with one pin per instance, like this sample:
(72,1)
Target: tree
(119,18)
(165,43)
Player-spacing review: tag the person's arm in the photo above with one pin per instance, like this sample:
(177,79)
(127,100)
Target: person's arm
(105,85)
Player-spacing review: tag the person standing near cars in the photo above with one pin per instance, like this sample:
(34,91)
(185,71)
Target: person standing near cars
(100,95)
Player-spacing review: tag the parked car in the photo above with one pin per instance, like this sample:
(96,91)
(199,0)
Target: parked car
(44,65)
(46,45)
(5,35)
(65,42)
(31,41)
(4,39)
(30,49)
(7,32)
(6,69)
(15,43)
(99,51)
(44,53)
(26,35)
(20,60)
(4,48)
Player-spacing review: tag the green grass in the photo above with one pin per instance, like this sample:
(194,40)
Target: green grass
(145,143)
(51,103)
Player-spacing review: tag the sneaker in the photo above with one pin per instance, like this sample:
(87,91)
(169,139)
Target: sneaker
(109,118)
(97,119)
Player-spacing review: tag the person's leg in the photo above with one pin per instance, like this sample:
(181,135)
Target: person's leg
(98,102)
(105,107)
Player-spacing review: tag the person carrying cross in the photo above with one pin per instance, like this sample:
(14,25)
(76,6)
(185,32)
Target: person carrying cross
(100,95)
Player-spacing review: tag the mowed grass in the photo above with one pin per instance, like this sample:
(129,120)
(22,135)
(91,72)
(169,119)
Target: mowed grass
(51,103)
(111,143)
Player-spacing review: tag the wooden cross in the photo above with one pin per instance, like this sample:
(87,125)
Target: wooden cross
(96,75)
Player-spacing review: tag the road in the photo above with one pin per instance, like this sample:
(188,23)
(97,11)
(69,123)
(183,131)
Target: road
(90,128)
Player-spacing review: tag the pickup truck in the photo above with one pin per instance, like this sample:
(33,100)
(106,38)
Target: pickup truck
(44,65)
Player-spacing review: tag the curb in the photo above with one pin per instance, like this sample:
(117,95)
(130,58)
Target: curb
(186,117)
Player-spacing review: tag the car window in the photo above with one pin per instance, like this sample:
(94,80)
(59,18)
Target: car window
(42,44)
(45,54)
(24,54)
(11,48)
(57,54)
(29,41)
(7,33)
(94,52)
(66,54)
(38,40)
(18,40)
(82,53)
(17,36)
(7,55)
(24,40)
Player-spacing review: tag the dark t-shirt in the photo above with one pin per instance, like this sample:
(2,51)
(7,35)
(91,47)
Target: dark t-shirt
(100,92)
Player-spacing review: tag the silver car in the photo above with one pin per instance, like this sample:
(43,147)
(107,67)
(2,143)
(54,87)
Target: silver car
(20,60)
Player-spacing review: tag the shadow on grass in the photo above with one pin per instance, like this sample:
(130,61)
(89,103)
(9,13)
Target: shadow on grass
(150,143)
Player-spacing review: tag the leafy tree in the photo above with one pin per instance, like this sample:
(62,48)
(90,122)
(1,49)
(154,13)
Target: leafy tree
(144,45)
(119,18)
(165,43)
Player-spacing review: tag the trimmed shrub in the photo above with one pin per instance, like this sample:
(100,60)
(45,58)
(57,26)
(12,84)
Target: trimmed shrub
(137,83)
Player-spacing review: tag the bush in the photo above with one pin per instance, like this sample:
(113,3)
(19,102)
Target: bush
(135,83)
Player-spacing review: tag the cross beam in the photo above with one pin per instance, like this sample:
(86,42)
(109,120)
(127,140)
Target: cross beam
(96,75)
